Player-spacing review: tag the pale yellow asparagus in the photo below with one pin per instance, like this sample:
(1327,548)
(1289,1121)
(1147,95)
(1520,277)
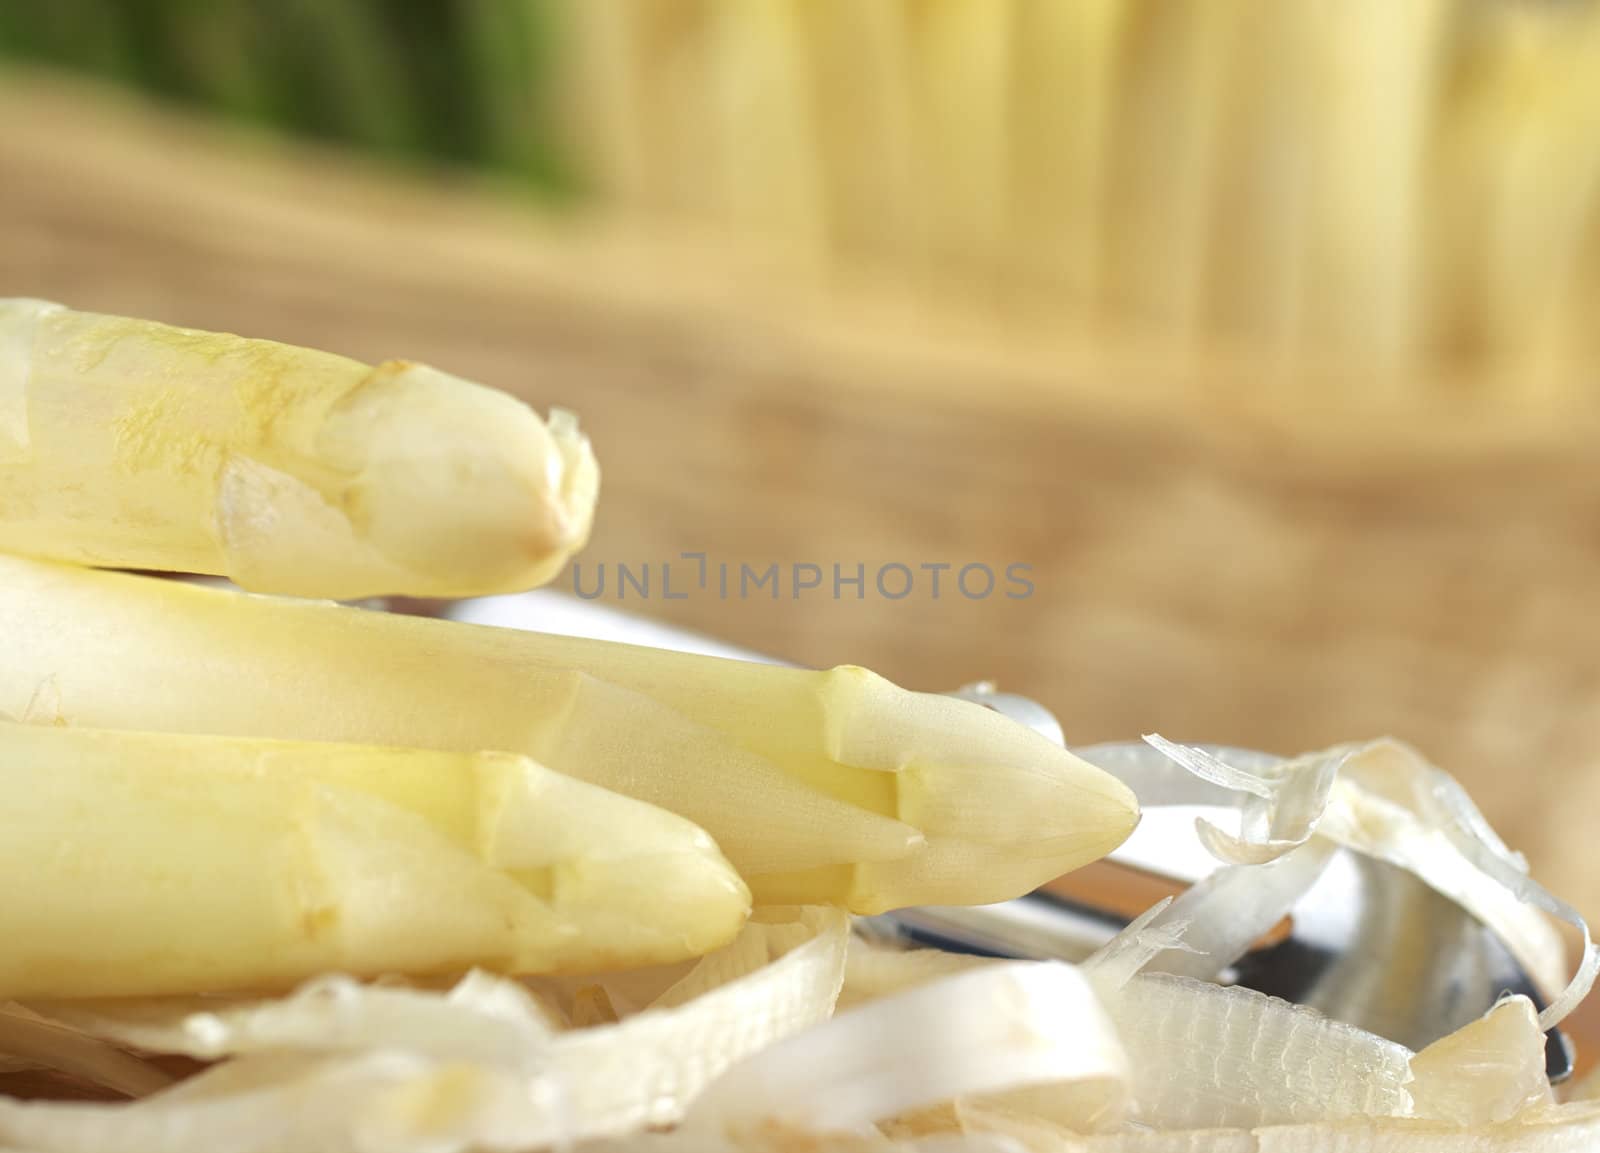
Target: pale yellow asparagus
(1257,284)
(1388,193)
(1520,162)
(821,787)
(1376,68)
(148,863)
(961,85)
(1065,75)
(766,180)
(864,114)
(1165,175)
(131,444)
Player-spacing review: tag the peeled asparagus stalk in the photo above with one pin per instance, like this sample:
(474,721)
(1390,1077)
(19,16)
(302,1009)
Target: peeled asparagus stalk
(821,787)
(134,445)
(148,863)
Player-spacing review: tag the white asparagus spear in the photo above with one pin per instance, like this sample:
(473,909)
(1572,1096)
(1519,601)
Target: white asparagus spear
(860,62)
(1376,92)
(821,787)
(765,177)
(150,863)
(1166,170)
(1066,68)
(134,445)
(961,86)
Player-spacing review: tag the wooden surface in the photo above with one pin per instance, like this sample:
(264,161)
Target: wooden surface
(1260,566)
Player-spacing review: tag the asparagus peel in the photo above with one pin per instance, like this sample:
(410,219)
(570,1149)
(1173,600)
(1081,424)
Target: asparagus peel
(132,444)
(829,787)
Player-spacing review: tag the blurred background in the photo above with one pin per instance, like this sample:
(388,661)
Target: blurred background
(1265,333)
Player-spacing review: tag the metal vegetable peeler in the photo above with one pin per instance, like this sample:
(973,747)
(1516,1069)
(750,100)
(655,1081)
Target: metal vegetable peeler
(1368,943)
